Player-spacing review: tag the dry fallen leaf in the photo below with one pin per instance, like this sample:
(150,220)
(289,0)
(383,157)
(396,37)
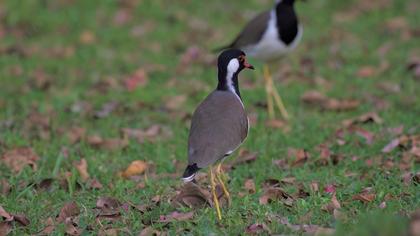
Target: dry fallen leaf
(334,204)
(5,228)
(316,98)
(273,194)
(81,167)
(175,102)
(301,156)
(107,144)
(391,146)
(365,196)
(249,185)
(16,159)
(176,216)
(70,209)
(87,37)
(366,71)
(138,79)
(364,118)
(136,167)
(5,214)
(414,228)
(109,208)
(191,195)
(257,229)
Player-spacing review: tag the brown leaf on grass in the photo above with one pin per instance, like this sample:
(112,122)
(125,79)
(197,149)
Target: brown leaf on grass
(70,209)
(334,204)
(87,37)
(21,219)
(176,216)
(106,109)
(71,227)
(150,134)
(149,231)
(107,144)
(277,124)
(257,229)
(314,186)
(5,228)
(308,229)
(4,187)
(138,79)
(175,102)
(5,214)
(191,195)
(81,167)
(413,66)
(49,227)
(109,208)
(39,79)
(365,196)
(324,155)
(301,156)
(391,146)
(135,168)
(16,159)
(330,188)
(316,98)
(364,118)
(94,184)
(366,71)
(249,185)
(414,228)
(273,194)
(76,134)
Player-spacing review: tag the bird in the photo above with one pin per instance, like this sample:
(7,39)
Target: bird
(268,37)
(219,125)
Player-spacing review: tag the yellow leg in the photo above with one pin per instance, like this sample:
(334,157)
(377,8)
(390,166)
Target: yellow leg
(274,93)
(213,190)
(221,181)
(268,88)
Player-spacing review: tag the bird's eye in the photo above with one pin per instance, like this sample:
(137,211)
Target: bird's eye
(241,59)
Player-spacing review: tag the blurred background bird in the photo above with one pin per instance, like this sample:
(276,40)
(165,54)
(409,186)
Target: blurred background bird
(219,125)
(268,37)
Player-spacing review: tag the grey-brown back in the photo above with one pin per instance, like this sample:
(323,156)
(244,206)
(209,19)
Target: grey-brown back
(219,125)
(253,31)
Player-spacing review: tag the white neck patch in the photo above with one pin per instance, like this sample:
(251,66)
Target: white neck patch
(232,68)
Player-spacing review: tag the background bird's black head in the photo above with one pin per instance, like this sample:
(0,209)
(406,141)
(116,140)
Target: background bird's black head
(228,55)
(286,2)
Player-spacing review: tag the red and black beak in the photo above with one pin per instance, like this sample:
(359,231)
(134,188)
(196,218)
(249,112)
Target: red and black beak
(247,65)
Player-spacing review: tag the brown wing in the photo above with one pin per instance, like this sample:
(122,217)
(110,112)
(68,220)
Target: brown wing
(253,31)
(218,126)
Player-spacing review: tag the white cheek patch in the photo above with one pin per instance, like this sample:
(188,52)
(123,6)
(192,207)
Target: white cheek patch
(232,68)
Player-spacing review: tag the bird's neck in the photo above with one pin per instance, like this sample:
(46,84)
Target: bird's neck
(228,82)
(287,21)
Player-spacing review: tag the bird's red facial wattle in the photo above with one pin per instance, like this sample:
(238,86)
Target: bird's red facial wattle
(245,63)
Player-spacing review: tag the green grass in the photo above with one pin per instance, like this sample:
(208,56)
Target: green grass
(40,27)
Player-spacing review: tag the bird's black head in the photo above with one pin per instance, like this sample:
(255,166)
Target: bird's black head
(232,61)
(285,2)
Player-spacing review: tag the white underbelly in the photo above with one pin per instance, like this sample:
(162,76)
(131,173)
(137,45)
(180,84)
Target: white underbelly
(270,47)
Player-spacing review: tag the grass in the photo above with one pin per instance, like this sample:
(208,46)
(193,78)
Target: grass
(44,29)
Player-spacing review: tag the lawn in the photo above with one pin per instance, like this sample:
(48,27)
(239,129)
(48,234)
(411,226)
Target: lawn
(88,87)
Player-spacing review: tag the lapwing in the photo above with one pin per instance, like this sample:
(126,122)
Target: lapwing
(268,37)
(219,125)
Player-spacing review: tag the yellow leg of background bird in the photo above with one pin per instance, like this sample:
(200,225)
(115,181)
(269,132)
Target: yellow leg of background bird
(275,94)
(213,190)
(220,176)
(268,90)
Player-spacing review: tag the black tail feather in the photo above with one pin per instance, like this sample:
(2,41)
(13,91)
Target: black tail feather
(190,171)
